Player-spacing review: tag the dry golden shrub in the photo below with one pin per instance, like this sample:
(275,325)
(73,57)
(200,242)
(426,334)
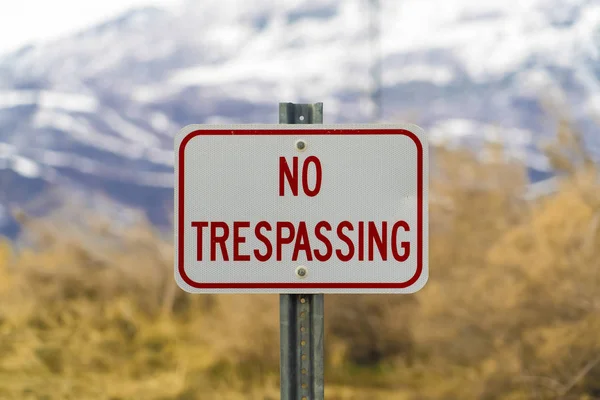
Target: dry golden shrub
(90,310)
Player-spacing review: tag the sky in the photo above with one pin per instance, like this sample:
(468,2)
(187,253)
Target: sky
(24,22)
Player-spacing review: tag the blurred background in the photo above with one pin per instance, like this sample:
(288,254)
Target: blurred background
(92,93)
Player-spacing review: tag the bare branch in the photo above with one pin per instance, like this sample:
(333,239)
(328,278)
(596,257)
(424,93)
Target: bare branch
(579,376)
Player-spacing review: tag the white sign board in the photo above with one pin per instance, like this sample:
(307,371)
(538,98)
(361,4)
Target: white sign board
(301,208)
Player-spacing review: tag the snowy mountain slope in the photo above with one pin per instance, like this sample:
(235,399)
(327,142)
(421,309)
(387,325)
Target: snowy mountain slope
(97,111)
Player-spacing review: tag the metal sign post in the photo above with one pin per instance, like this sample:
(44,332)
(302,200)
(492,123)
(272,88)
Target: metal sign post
(301,315)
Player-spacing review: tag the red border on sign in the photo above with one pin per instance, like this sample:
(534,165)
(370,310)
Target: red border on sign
(301,285)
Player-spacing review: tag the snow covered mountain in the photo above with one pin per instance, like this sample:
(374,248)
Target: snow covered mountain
(97,111)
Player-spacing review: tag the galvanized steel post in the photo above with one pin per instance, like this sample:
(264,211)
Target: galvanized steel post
(301,315)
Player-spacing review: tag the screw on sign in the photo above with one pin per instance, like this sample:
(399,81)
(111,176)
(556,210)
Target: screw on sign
(301,271)
(300,145)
